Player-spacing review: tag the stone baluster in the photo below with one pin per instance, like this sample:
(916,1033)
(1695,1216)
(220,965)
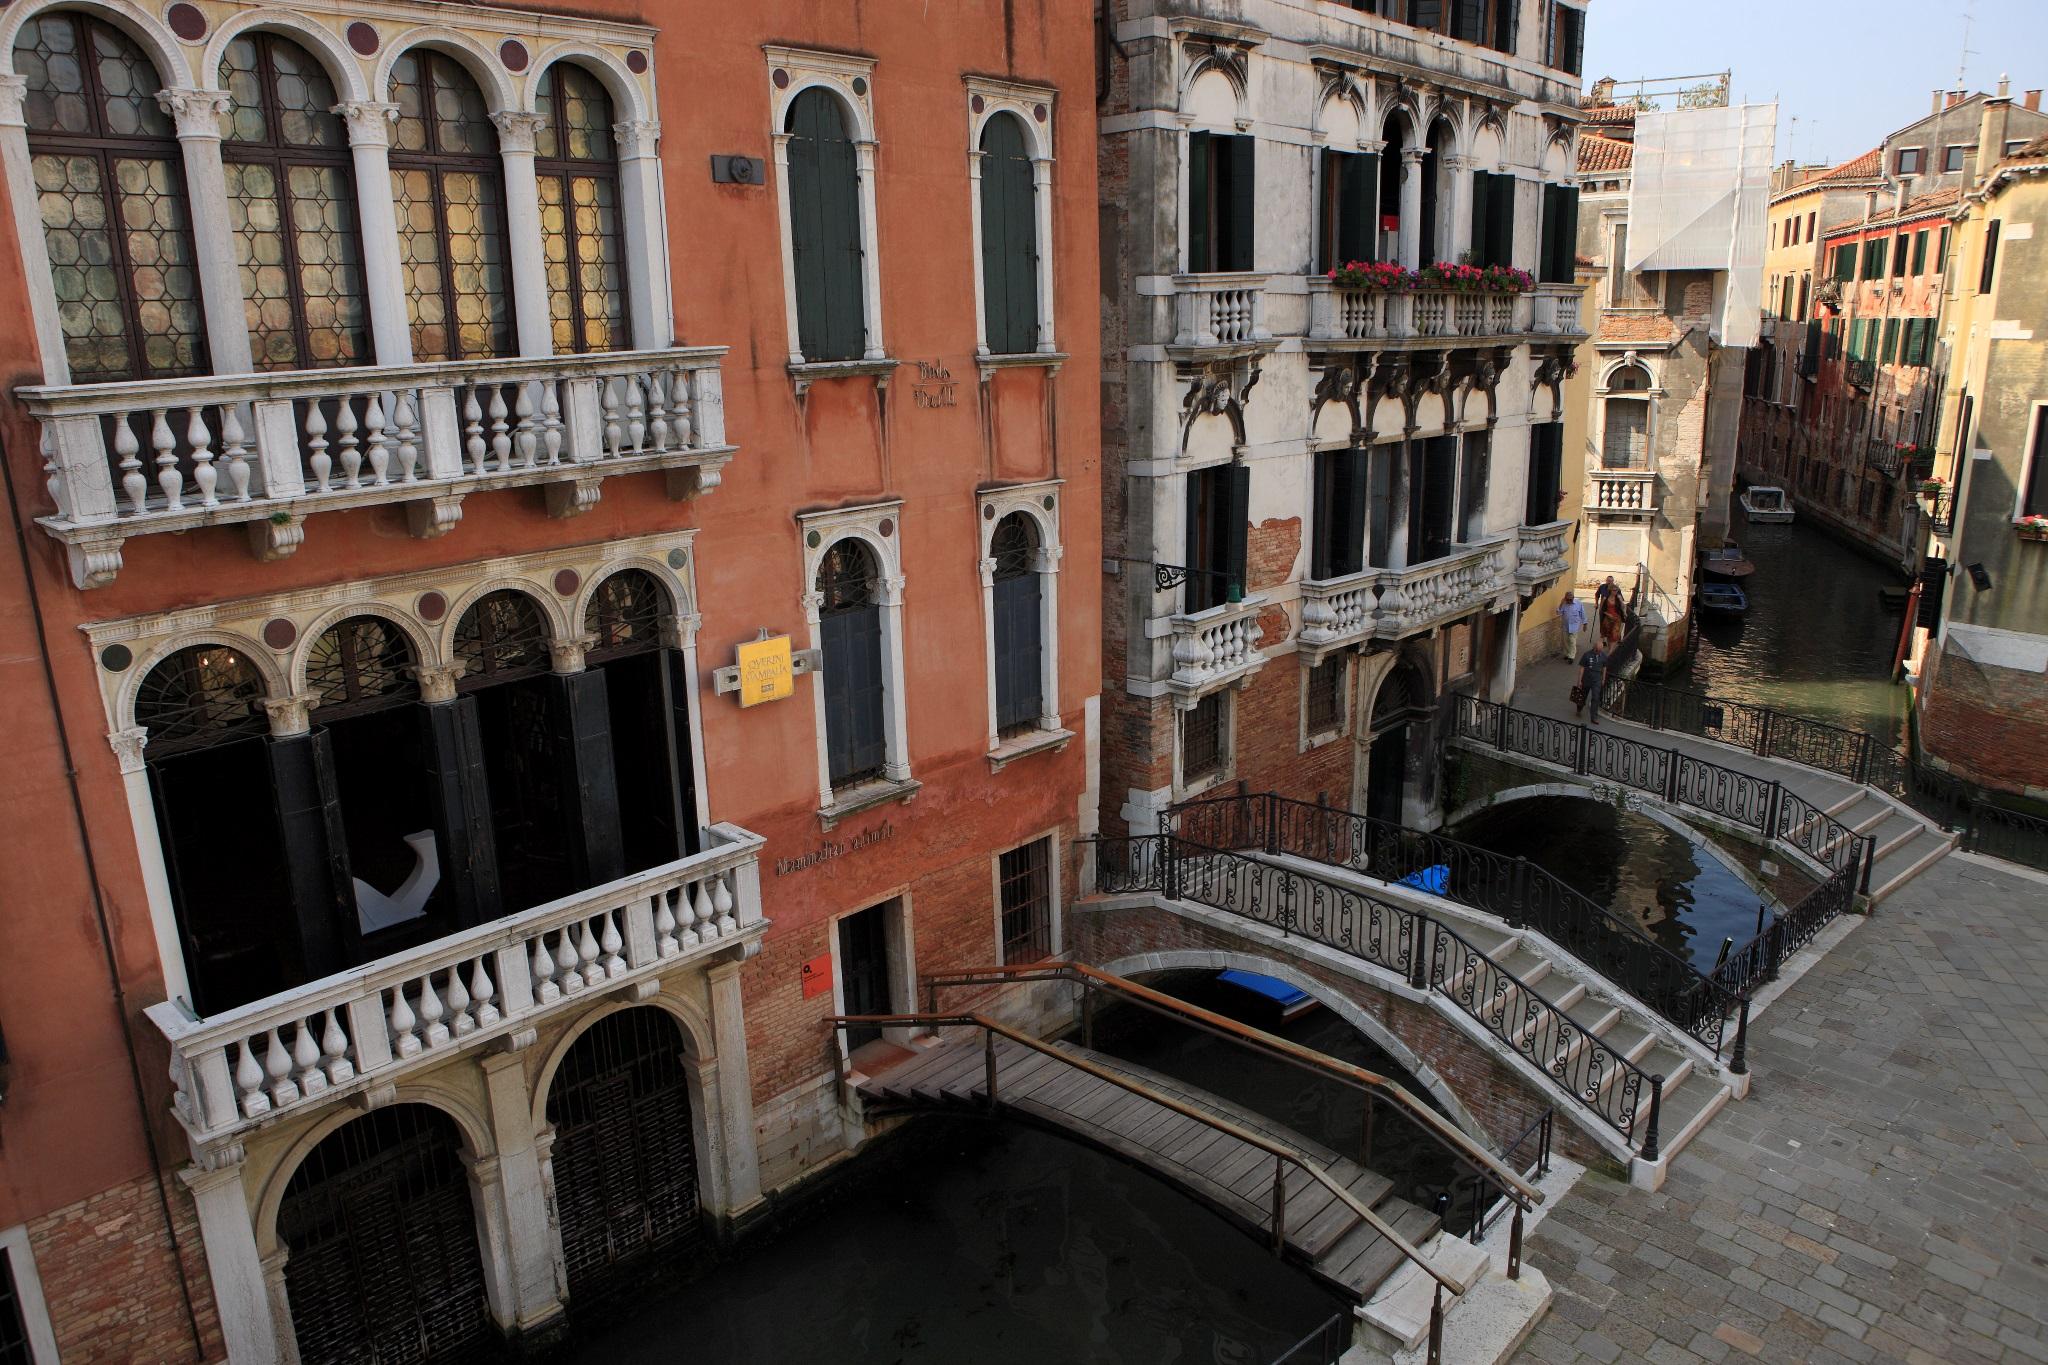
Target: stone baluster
(501,440)
(334,1050)
(484,992)
(204,475)
(379,443)
(346,441)
(526,433)
(700,909)
(613,433)
(665,944)
(457,1000)
(657,412)
(405,420)
(405,1041)
(318,461)
(686,921)
(636,422)
(235,451)
(129,449)
(545,988)
(682,403)
(722,904)
(473,430)
(568,976)
(611,943)
(551,421)
(306,1072)
(586,952)
(277,1065)
(249,1081)
(432,1012)
(166,447)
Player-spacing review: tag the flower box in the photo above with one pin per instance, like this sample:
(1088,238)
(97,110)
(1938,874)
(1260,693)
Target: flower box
(2032,528)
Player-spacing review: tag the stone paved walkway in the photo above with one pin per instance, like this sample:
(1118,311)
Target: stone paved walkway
(1882,1195)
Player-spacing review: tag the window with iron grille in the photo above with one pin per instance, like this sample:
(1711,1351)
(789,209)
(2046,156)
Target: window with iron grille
(1326,695)
(1203,742)
(502,637)
(14,1347)
(359,665)
(625,615)
(1024,883)
(200,696)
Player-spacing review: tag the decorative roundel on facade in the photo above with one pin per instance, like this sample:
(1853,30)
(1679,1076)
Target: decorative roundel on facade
(279,633)
(860,86)
(1038,112)
(781,79)
(567,581)
(812,539)
(1048,502)
(512,53)
(988,511)
(887,528)
(432,606)
(678,558)
(363,39)
(636,62)
(186,21)
(116,658)
(977,104)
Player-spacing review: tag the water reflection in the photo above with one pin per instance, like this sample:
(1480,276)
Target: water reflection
(1685,897)
(976,1240)
(1816,641)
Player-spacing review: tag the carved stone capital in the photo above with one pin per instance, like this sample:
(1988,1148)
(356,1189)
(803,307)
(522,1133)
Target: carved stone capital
(196,112)
(518,131)
(637,138)
(437,681)
(566,656)
(13,93)
(127,746)
(291,715)
(369,121)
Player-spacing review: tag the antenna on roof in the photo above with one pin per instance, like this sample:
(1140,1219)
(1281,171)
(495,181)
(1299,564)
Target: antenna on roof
(1963,58)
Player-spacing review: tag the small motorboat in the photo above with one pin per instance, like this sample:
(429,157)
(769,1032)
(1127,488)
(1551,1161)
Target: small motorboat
(1723,599)
(1726,563)
(1766,502)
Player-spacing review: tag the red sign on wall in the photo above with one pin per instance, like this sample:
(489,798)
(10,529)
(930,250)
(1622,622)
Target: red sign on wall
(818,975)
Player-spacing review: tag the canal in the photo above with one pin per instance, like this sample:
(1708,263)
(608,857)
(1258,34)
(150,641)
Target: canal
(1816,641)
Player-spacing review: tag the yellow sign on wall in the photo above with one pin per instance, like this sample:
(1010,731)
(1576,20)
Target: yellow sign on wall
(767,672)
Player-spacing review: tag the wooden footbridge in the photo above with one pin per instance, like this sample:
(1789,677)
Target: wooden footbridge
(1333,1216)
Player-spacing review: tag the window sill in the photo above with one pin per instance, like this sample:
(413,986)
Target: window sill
(868,795)
(1189,789)
(1025,745)
(1319,738)
(1050,361)
(807,373)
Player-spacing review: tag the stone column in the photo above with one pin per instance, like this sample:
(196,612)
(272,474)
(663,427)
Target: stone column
(454,751)
(735,1136)
(240,1291)
(648,302)
(516,133)
(1460,236)
(369,141)
(197,115)
(523,1259)
(1411,206)
(19,171)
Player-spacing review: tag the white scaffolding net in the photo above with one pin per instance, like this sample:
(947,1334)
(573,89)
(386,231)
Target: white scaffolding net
(1696,201)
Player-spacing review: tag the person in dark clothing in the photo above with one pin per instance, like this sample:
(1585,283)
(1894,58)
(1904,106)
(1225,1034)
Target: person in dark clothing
(1592,677)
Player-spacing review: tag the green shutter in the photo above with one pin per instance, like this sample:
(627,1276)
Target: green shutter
(1920,252)
(1891,341)
(1199,230)
(824,212)
(1358,186)
(1845,262)
(1239,514)
(1009,239)
(1899,259)
(1941,250)
(1989,273)
(1239,183)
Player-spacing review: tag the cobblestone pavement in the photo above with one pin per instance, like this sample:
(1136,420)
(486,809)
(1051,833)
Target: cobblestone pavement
(1882,1195)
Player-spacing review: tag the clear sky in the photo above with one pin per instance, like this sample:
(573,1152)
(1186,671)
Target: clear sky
(1848,73)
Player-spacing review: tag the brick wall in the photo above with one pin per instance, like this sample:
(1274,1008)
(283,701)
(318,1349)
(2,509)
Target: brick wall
(111,1279)
(1985,723)
(1270,551)
(1497,1097)
(1269,753)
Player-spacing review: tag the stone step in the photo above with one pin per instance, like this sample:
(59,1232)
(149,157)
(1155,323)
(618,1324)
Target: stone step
(1927,848)
(1401,1308)
(1685,1114)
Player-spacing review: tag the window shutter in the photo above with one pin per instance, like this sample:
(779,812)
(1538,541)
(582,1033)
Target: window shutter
(1358,483)
(1568,246)
(1506,15)
(1329,518)
(824,213)
(1501,232)
(1239,181)
(853,692)
(1379,476)
(2034,497)
(1199,228)
(1009,239)
(1552,221)
(1920,252)
(1891,341)
(1941,249)
(1239,512)
(1990,270)
(1482,188)
(1358,207)
(1197,597)
(1019,622)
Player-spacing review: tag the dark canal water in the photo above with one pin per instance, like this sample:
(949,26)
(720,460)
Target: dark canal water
(1687,898)
(1816,641)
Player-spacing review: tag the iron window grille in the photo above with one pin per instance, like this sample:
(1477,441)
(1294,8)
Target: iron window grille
(501,638)
(200,696)
(1326,695)
(1202,739)
(1025,882)
(361,665)
(626,614)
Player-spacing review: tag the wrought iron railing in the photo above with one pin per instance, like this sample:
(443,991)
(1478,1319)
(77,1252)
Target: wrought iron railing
(1528,1154)
(1518,891)
(1324,1346)
(1406,941)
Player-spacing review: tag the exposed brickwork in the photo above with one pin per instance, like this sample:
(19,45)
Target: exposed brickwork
(1274,627)
(1270,550)
(1269,753)
(1985,723)
(111,1279)
(1502,1102)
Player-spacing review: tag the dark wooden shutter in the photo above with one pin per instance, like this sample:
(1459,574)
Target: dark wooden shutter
(1506,18)
(1990,270)
(1009,239)
(1238,505)
(1475,461)
(1019,648)
(853,692)
(1201,233)
(1553,224)
(1329,523)
(1500,240)
(1439,489)
(1239,155)
(824,214)
(1357,207)
(1379,469)
(1356,493)
(1482,193)
(2034,497)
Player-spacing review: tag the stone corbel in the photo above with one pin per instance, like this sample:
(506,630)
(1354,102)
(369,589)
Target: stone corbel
(277,536)
(95,562)
(432,518)
(1388,379)
(574,497)
(694,481)
(1215,390)
(1343,380)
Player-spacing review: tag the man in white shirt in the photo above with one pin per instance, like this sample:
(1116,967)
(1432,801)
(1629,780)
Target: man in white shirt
(1574,618)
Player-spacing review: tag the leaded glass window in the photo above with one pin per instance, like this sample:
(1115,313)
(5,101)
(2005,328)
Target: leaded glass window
(577,170)
(502,637)
(292,208)
(200,696)
(448,187)
(110,186)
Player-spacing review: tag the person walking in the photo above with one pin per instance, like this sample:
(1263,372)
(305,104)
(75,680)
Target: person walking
(1613,620)
(1592,677)
(1572,614)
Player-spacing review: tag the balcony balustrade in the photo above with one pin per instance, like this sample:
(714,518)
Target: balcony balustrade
(1390,604)
(1219,311)
(270,450)
(1215,647)
(371,1025)
(1626,492)
(1541,554)
(1338,315)
(1554,308)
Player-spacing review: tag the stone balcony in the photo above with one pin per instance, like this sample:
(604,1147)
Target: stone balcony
(1542,555)
(1392,604)
(270,451)
(1215,648)
(1621,492)
(1219,314)
(1435,317)
(363,1029)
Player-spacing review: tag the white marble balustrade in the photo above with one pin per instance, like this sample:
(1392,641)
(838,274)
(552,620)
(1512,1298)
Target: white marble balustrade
(269,450)
(1216,646)
(1622,490)
(1541,553)
(1339,611)
(1443,589)
(1556,309)
(1220,310)
(373,1023)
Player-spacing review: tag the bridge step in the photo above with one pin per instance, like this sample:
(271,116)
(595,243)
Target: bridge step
(1235,1177)
(1927,848)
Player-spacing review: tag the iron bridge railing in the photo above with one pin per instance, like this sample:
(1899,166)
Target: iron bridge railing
(1514,889)
(1402,939)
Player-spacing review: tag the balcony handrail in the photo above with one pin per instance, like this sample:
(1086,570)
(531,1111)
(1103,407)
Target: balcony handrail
(63,400)
(1222,611)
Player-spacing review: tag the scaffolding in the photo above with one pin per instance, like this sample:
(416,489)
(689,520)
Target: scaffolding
(1697,201)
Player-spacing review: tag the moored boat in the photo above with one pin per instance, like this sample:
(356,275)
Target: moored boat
(1767,503)
(1723,599)
(1726,563)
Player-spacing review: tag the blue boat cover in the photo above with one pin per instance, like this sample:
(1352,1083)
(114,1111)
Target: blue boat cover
(1286,995)
(1435,880)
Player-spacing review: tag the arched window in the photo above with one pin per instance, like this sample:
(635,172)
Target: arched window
(501,638)
(850,623)
(647,701)
(110,184)
(1019,625)
(292,208)
(824,229)
(448,186)
(577,167)
(1625,433)
(1009,238)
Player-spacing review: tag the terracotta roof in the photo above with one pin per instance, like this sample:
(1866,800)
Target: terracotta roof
(2033,151)
(1597,153)
(1610,113)
(1934,199)
(1866,167)
(1637,327)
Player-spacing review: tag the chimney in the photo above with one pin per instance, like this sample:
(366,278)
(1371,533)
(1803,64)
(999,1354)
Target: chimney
(1991,135)
(2032,100)
(1935,108)
(1955,97)
(1602,92)
(2004,86)
(1899,195)
(1869,205)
